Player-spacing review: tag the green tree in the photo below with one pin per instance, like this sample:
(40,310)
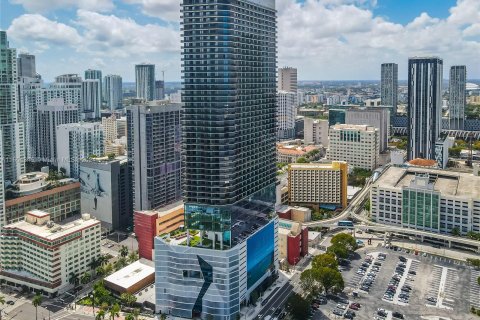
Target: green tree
(308,281)
(129,316)
(330,280)
(455,232)
(302,160)
(339,250)
(114,311)
(128,299)
(124,251)
(111,156)
(120,263)
(478,281)
(136,313)
(454,152)
(367,205)
(108,268)
(345,240)
(298,307)
(85,278)
(37,301)
(325,260)
(73,278)
(100,315)
(133,256)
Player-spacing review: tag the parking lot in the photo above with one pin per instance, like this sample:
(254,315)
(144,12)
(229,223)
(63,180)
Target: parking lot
(391,284)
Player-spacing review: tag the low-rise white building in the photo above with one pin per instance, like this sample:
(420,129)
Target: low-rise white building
(358,145)
(42,255)
(427,199)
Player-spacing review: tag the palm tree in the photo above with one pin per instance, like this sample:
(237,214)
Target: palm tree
(73,279)
(85,278)
(128,299)
(37,300)
(115,311)
(129,317)
(124,251)
(133,256)
(136,313)
(100,315)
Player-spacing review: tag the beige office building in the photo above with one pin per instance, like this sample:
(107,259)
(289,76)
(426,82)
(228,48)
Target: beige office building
(287,79)
(318,183)
(315,131)
(358,145)
(41,255)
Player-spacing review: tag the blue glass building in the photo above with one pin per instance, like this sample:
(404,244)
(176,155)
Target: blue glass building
(229,133)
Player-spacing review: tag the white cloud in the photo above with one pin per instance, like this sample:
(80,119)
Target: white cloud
(110,35)
(42,32)
(42,6)
(164,9)
(472,31)
(325,39)
(342,39)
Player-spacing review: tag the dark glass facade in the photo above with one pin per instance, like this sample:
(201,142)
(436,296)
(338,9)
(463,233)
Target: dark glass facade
(229,96)
(425,76)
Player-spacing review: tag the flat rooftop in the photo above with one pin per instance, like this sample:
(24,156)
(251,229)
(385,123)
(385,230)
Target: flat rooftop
(52,231)
(131,274)
(313,166)
(449,183)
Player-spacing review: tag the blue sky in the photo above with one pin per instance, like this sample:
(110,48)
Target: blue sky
(324,39)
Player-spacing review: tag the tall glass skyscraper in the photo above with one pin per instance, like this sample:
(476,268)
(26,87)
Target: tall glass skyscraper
(229,133)
(389,86)
(457,99)
(12,140)
(145,81)
(425,76)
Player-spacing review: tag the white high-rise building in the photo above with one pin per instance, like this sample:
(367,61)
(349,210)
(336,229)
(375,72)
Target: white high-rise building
(145,81)
(287,79)
(286,114)
(91,100)
(458,96)
(12,140)
(77,141)
(113,91)
(95,75)
(358,145)
(32,94)
(315,131)
(48,118)
(389,85)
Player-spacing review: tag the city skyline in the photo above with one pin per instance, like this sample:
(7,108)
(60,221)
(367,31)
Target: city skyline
(68,38)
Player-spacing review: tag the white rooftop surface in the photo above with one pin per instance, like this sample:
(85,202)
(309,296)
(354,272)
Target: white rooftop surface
(313,166)
(58,230)
(131,274)
(449,183)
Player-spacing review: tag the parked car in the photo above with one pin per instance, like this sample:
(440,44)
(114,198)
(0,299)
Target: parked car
(403,259)
(397,315)
(337,312)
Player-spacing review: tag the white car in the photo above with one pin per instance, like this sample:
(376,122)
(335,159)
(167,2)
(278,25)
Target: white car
(341,306)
